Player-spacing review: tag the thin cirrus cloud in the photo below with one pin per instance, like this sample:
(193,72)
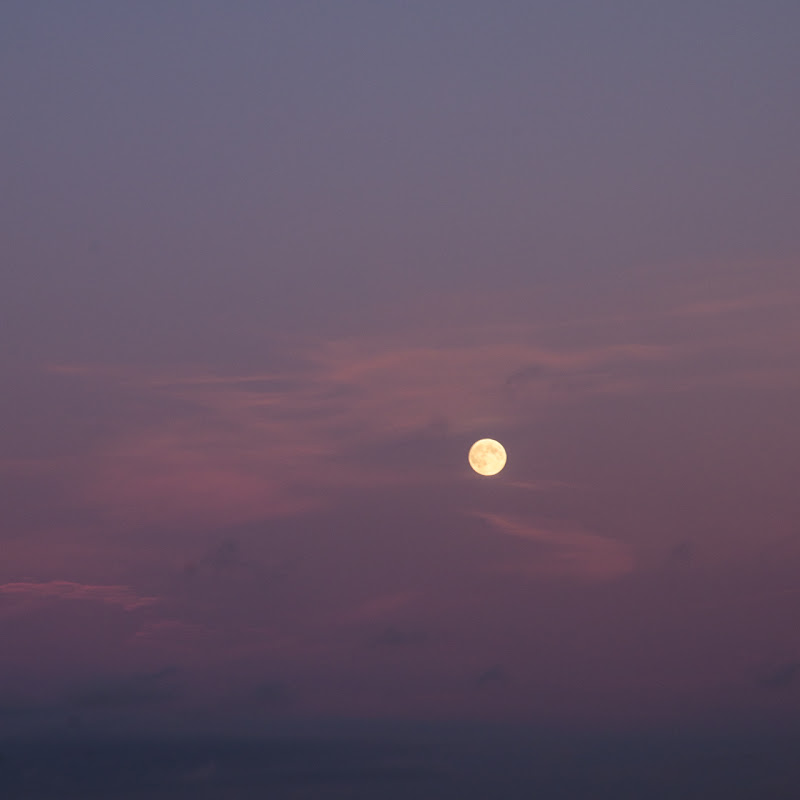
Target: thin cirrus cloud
(259,445)
(360,413)
(32,592)
(562,553)
(377,608)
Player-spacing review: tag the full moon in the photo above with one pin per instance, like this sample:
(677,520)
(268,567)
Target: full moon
(487,457)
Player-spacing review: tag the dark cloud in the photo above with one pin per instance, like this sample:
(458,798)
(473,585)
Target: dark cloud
(682,553)
(422,762)
(426,445)
(566,379)
(223,556)
(17,711)
(273,695)
(397,637)
(155,688)
(19,717)
(134,768)
(525,375)
(783,676)
(229,557)
(494,676)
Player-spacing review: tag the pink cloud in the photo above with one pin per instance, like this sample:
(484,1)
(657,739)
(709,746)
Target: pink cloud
(377,608)
(273,443)
(270,444)
(30,591)
(568,552)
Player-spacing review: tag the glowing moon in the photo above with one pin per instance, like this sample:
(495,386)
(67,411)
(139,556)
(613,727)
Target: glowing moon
(487,457)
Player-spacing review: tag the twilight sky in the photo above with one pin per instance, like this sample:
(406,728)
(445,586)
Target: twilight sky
(268,270)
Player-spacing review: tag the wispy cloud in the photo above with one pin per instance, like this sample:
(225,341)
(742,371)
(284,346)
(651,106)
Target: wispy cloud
(740,303)
(232,448)
(344,414)
(122,596)
(377,608)
(566,552)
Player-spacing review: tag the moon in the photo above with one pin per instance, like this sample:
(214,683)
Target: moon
(487,457)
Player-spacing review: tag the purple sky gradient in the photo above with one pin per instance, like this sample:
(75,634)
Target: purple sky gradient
(268,270)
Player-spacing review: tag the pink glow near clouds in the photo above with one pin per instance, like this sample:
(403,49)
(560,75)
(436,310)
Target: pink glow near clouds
(356,431)
(566,552)
(276,443)
(259,451)
(31,592)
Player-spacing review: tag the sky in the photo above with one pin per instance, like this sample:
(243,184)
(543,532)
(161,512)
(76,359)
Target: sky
(269,268)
